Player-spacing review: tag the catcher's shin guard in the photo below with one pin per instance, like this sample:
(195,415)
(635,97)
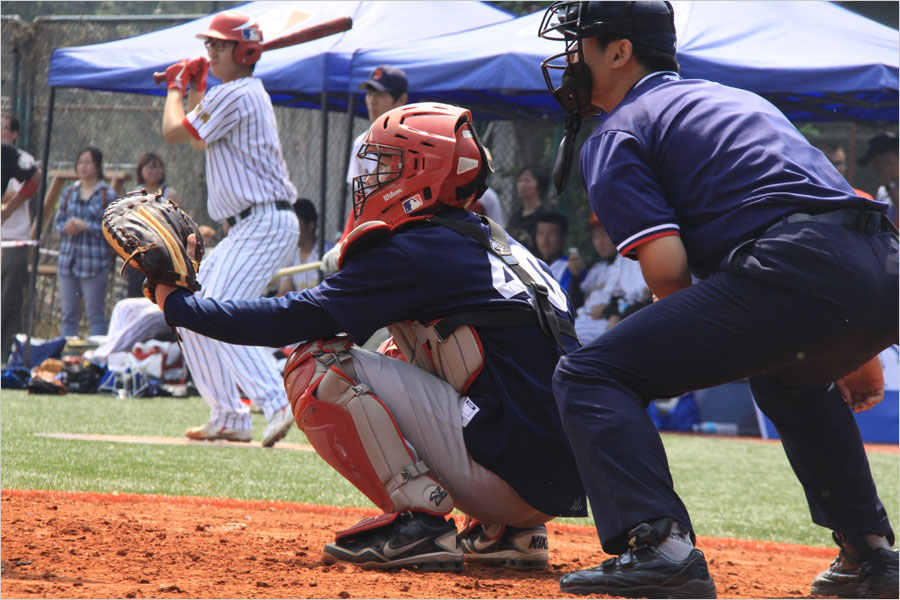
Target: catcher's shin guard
(354,431)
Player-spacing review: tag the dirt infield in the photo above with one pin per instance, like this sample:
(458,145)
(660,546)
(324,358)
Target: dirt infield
(77,545)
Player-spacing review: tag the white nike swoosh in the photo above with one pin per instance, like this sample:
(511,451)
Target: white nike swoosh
(480,543)
(390,552)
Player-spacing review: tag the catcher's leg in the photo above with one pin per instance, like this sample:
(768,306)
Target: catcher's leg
(331,390)
(356,434)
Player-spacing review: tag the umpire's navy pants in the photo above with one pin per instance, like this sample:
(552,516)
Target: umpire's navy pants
(802,306)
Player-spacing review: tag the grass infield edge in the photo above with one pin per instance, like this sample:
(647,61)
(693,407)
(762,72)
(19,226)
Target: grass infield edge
(773,547)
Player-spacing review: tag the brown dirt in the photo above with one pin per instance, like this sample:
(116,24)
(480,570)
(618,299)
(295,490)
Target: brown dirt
(78,545)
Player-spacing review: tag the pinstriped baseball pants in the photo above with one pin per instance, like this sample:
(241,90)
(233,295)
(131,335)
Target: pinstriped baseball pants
(239,267)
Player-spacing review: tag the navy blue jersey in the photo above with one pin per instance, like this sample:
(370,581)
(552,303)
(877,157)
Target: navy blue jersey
(713,164)
(423,273)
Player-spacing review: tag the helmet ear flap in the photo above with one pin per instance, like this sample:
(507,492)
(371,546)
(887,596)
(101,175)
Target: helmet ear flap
(247,53)
(477,186)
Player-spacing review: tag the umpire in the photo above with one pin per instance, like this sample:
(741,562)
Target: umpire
(796,289)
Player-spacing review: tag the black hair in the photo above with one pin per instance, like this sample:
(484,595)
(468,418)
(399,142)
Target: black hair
(540,175)
(13,122)
(146,159)
(650,58)
(96,156)
(555,217)
(306,210)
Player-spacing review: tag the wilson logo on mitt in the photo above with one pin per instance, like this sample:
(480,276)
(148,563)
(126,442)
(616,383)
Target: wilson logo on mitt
(150,234)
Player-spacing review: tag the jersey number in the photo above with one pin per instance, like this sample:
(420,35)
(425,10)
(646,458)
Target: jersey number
(506,282)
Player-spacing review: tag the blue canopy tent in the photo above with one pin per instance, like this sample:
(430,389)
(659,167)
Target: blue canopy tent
(815,60)
(295,75)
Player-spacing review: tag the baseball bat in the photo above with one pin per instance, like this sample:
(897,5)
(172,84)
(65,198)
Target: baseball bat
(288,271)
(308,34)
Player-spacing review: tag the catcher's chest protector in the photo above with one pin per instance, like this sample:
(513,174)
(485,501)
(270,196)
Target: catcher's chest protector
(457,359)
(354,432)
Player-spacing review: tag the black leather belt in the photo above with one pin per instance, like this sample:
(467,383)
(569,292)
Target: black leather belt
(865,221)
(279,205)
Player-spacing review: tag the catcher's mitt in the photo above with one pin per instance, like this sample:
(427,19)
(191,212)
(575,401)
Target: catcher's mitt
(150,233)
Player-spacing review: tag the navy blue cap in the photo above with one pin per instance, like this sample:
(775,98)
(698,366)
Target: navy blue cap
(386,79)
(649,24)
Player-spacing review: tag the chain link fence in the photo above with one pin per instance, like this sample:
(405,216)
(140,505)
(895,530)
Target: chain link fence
(125,126)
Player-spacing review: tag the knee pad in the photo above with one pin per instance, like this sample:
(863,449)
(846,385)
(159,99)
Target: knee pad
(355,433)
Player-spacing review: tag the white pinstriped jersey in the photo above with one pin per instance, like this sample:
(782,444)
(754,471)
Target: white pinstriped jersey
(244,164)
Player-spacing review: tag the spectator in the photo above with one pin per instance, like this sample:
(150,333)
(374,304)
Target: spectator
(613,288)
(151,176)
(551,235)
(20,180)
(307,250)
(530,187)
(882,153)
(85,259)
(838,157)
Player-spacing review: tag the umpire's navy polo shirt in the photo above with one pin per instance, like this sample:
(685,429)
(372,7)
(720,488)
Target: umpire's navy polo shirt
(713,164)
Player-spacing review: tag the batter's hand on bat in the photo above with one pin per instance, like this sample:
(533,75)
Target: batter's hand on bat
(163,290)
(177,76)
(863,388)
(198,69)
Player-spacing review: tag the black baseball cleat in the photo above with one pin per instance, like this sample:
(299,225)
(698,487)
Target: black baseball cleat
(411,540)
(504,545)
(645,572)
(871,573)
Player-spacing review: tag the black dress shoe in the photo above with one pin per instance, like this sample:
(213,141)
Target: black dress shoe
(871,573)
(644,571)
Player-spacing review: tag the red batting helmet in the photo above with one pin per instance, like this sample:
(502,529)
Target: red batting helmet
(425,154)
(233,26)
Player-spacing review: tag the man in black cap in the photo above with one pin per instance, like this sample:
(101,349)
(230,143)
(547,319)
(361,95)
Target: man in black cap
(882,154)
(385,90)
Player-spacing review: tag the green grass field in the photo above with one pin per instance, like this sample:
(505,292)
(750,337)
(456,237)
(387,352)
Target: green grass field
(733,488)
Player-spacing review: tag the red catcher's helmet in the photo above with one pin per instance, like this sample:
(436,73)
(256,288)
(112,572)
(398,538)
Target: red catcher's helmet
(233,26)
(424,155)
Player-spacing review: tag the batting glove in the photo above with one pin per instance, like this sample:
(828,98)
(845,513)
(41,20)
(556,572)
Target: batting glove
(330,260)
(198,69)
(177,76)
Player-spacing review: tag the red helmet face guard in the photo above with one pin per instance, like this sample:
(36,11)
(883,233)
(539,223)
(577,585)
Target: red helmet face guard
(233,26)
(387,167)
(424,155)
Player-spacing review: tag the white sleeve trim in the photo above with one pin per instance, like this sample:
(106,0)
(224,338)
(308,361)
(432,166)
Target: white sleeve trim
(645,233)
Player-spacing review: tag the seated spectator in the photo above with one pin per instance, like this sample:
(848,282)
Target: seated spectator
(838,158)
(613,288)
(552,233)
(531,185)
(133,320)
(882,154)
(307,250)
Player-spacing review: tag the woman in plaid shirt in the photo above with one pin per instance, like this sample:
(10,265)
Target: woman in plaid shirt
(85,259)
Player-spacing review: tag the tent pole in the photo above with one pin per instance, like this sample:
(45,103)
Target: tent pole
(348,148)
(32,280)
(323,174)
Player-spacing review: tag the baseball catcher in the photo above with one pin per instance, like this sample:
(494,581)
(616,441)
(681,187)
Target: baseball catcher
(468,419)
(150,234)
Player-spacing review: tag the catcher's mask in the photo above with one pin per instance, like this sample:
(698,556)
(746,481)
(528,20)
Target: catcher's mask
(421,155)
(233,26)
(650,24)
